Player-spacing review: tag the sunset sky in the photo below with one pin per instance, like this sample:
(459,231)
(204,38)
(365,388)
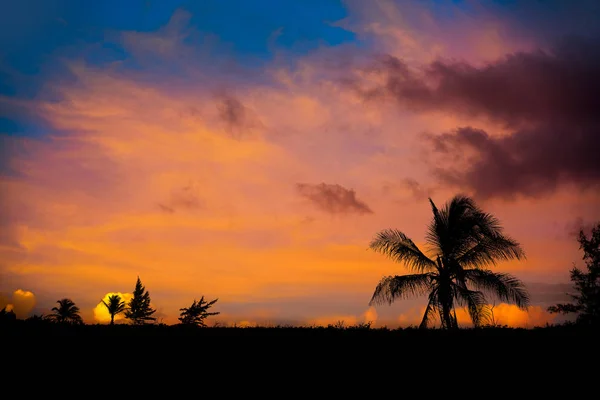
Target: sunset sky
(249,150)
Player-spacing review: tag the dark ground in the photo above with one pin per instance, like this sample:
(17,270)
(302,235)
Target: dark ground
(294,362)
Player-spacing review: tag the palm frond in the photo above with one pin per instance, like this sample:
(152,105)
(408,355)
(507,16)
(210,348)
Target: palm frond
(452,225)
(397,246)
(392,287)
(490,249)
(459,226)
(436,234)
(430,310)
(505,286)
(474,300)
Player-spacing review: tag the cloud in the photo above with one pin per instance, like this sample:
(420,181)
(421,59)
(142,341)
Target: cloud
(334,320)
(411,317)
(579,225)
(5,303)
(545,100)
(21,302)
(417,190)
(422,31)
(239,120)
(166,42)
(512,316)
(547,294)
(503,314)
(370,315)
(185,198)
(231,111)
(333,198)
(530,163)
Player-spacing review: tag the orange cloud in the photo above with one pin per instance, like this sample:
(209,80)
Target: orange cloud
(21,302)
(371,315)
(502,315)
(411,318)
(334,320)
(511,315)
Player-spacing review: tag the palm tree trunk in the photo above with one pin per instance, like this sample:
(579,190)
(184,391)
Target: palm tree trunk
(446,315)
(112,319)
(445,297)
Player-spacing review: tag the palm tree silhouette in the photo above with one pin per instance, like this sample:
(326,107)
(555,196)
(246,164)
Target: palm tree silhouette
(462,240)
(114,306)
(66,312)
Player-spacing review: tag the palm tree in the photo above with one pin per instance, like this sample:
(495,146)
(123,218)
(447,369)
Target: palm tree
(462,241)
(114,306)
(66,312)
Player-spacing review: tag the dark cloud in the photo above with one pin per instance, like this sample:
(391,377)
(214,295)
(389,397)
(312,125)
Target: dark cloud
(549,19)
(416,190)
(547,294)
(573,228)
(238,119)
(232,111)
(546,99)
(333,198)
(167,209)
(528,162)
(524,87)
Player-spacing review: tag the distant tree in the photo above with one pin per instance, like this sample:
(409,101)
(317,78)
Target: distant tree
(197,312)
(37,318)
(139,310)
(114,306)
(587,284)
(66,312)
(463,241)
(7,315)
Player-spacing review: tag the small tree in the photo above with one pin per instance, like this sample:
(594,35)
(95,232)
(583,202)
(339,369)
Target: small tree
(139,310)
(7,315)
(114,306)
(197,312)
(66,312)
(587,301)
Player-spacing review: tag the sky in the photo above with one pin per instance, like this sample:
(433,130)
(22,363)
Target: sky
(249,151)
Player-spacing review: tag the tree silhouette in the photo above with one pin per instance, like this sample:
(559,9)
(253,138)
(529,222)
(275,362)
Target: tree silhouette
(66,312)
(7,315)
(587,302)
(114,306)
(197,312)
(139,310)
(462,241)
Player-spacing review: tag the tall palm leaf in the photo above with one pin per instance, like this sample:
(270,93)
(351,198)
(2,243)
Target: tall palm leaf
(462,241)
(114,306)
(66,312)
